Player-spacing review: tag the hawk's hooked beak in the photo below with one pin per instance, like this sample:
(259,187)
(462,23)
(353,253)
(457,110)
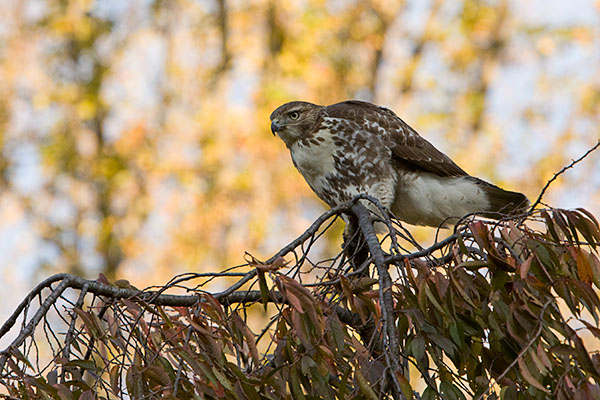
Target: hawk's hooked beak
(275,127)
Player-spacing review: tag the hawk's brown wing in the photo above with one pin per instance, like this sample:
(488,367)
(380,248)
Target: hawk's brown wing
(405,143)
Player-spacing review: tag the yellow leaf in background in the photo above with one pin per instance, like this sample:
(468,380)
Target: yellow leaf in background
(63,25)
(546,45)
(86,109)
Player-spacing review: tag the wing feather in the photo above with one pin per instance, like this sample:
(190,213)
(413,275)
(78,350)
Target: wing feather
(406,145)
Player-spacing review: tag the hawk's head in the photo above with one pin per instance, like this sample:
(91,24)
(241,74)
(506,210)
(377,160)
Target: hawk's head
(293,120)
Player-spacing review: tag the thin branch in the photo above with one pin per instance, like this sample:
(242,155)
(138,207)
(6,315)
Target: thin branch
(556,175)
(342,208)
(41,313)
(27,301)
(287,249)
(180,369)
(423,253)
(69,337)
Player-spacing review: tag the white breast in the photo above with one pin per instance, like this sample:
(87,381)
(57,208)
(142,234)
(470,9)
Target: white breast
(314,161)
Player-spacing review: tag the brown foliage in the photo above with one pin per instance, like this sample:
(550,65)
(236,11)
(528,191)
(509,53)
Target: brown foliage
(497,310)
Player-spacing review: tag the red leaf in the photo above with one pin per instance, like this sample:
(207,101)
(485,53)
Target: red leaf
(87,395)
(529,377)
(524,268)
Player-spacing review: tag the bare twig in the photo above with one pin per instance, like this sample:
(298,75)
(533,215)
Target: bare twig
(423,253)
(287,249)
(25,303)
(70,332)
(556,175)
(30,327)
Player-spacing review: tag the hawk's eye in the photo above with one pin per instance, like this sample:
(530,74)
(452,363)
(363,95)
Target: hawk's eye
(294,115)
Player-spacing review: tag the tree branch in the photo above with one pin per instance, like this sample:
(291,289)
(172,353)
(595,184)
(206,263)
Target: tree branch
(385,294)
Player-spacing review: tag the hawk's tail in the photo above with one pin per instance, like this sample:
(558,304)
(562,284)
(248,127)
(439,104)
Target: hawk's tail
(503,202)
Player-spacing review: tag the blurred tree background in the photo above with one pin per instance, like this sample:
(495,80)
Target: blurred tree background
(134,135)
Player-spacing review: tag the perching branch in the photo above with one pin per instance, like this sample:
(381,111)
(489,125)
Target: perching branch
(385,295)
(362,325)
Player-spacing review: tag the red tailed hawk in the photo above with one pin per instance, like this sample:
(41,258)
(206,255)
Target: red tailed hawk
(354,147)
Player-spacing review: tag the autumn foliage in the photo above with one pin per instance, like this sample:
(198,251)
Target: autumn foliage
(498,310)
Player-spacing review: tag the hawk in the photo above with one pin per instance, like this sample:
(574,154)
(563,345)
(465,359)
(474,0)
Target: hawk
(355,147)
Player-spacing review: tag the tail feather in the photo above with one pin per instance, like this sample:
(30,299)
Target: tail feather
(503,202)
